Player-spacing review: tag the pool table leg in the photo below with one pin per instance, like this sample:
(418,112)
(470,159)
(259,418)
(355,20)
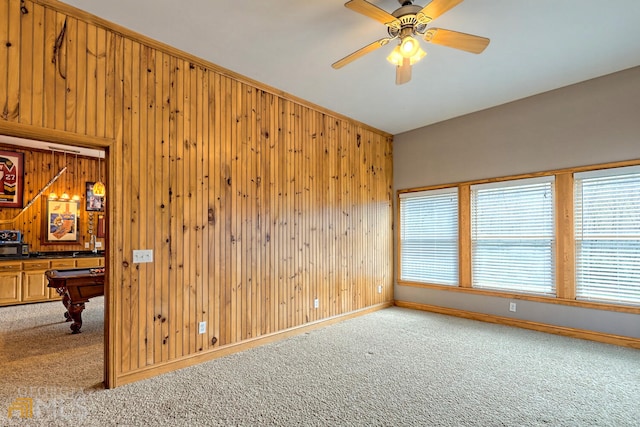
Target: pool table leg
(66,302)
(75,311)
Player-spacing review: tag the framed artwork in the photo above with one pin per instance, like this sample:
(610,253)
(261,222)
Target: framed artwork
(94,203)
(11,179)
(61,222)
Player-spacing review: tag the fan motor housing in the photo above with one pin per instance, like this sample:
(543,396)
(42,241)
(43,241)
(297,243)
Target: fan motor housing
(409,24)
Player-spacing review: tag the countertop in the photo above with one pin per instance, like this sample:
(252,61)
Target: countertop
(56,255)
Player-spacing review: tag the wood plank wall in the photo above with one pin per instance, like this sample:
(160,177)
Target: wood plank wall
(254,203)
(39,168)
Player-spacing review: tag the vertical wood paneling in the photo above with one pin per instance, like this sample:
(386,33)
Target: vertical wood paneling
(59,62)
(180,166)
(234,300)
(70,70)
(81,78)
(213,213)
(113,90)
(227,212)
(170,105)
(270,305)
(114,128)
(101,81)
(91,76)
(26,63)
(129,283)
(13,45)
(149,202)
(50,76)
(287,226)
(191,215)
(4,57)
(200,290)
(254,204)
(163,186)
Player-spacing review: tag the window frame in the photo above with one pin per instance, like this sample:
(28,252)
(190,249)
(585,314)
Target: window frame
(615,236)
(565,242)
(512,239)
(422,195)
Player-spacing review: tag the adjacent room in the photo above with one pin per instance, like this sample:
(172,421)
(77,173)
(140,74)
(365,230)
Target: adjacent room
(320,212)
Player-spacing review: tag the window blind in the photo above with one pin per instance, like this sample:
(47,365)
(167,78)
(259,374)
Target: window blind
(429,236)
(512,235)
(607,235)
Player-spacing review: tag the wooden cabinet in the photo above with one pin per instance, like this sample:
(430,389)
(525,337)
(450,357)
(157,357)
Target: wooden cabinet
(61,264)
(34,284)
(10,283)
(89,262)
(24,281)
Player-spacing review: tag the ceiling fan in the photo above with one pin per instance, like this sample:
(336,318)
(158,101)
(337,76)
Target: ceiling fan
(404,23)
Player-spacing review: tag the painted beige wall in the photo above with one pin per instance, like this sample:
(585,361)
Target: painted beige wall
(591,122)
(597,121)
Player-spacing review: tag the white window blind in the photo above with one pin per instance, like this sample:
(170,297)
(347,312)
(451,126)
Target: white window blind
(429,236)
(607,227)
(512,235)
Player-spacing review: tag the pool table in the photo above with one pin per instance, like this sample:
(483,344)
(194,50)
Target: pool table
(76,286)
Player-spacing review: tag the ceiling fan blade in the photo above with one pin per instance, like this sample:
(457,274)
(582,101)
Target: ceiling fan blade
(374,12)
(403,72)
(456,40)
(360,52)
(435,9)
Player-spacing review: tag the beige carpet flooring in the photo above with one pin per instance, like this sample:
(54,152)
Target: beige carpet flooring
(394,367)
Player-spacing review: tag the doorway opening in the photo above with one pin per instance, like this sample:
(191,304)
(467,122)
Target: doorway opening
(42,350)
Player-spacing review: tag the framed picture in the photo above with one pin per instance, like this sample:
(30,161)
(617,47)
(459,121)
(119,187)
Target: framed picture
(94,203)
(11,179)
(61,222)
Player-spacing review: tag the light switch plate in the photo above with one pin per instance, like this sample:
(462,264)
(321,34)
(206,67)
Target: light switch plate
(142,255)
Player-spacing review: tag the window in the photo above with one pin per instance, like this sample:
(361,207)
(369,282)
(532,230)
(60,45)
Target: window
(429,236)
(607,234)
(512,236)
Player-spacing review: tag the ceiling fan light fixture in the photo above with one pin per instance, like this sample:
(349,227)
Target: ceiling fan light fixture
(403,24)
(396,57)
(417,56)
(409,47)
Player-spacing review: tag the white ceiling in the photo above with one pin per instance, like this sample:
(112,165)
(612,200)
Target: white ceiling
(536,46)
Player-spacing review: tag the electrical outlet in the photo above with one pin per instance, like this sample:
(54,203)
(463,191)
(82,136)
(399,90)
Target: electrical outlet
(87,245)
(98,245)
(379,289)
(202,328)
(512,306)
(316,303)
(142,255)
